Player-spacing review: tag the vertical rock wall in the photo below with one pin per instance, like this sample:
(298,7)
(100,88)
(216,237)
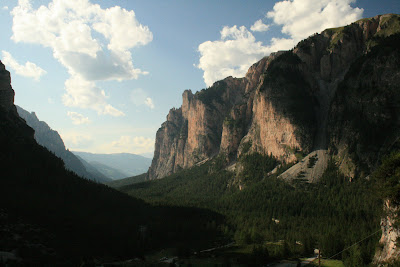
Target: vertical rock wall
(282,105)
(389,249)
(6,91)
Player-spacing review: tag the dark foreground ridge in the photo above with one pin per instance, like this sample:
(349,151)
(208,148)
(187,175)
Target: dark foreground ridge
(49,215)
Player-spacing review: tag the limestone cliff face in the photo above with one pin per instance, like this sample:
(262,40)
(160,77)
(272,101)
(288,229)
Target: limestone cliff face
(282,110)
(210,122)
(192,133)
(301,99)
(389,250)
(288,102)
(364,118)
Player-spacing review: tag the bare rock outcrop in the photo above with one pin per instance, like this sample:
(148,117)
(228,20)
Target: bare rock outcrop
(193,132)
(12,127)
(339,61)
(389,250)
(363,117)
(6,91)
(289,102)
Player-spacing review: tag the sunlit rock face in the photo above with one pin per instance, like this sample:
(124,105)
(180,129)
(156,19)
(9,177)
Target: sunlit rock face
(389,250)
(291,102)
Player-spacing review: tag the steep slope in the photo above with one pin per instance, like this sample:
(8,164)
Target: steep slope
(333,213)
(389,250)
(6,91)
(281,107)
(118,165)
(51,140)
(128,181)
(114,174)
(387,177)
(92,170)
(364,121)
(49,216)
(209,121)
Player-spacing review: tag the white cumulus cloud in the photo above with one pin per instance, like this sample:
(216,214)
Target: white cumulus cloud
(5,8)
(77,118)
(238,49)
(30,69)
(139,97)
(130,144)
(84,94)
(259,26)
(301,18)
(232,55)
(92,43)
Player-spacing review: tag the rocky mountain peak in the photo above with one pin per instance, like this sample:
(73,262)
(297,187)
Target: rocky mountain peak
(6,91)
(283,105)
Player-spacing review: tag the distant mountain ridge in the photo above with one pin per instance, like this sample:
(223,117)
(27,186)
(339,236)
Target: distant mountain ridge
(117,165)
(99,167)
(49,216)
(50,139)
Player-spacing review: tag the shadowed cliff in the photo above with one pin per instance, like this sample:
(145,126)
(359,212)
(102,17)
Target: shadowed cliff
(288,104)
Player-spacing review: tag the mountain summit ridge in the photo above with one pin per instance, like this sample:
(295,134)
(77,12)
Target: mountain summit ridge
(285,105)
(6,93)
(334,96)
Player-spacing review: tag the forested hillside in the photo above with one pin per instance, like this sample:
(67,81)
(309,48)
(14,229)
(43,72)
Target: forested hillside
(331,214)
(301,154)
(49,215)
(62,218)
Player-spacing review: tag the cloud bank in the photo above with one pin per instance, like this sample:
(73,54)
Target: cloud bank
(238,49)
(92,43)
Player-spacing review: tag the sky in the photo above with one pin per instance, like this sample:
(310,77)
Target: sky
(104,73)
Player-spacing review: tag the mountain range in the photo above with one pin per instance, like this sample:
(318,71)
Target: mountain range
(334,94)
(98,167)
(333,98)
(50,139)
(302,152)
(118,165)
(51,216)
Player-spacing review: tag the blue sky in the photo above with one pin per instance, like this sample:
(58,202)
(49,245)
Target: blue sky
(105,73)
